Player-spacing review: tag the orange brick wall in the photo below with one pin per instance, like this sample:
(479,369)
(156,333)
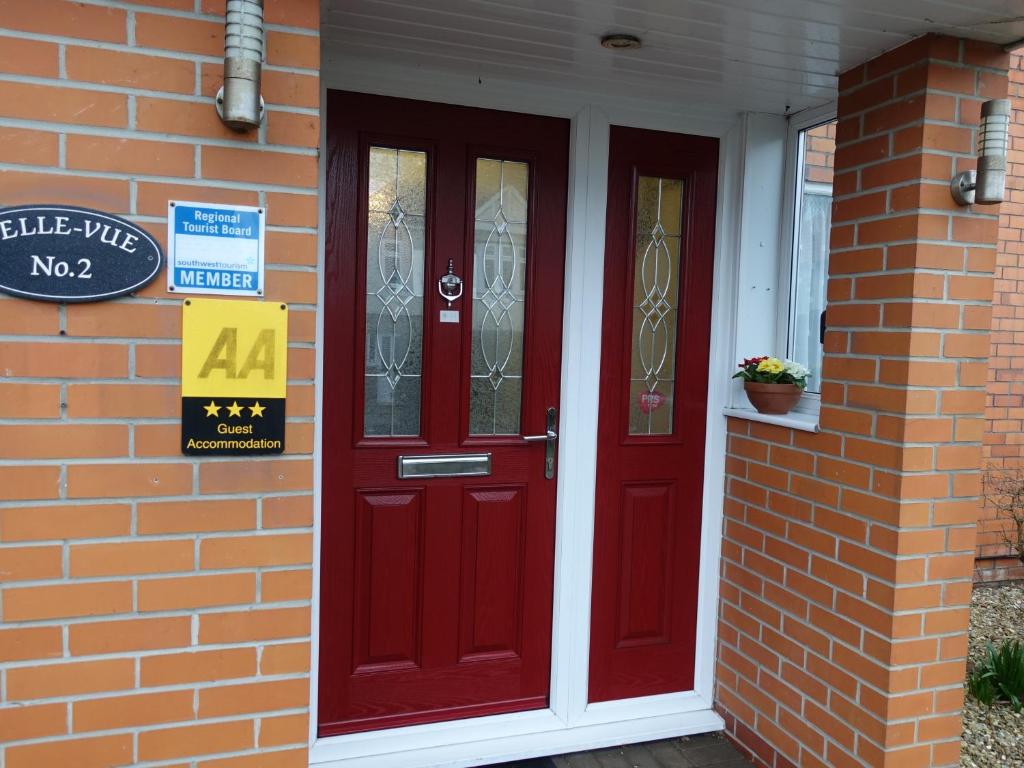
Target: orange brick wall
(1003,445)
(156,609)
(1004,439)
(848,554)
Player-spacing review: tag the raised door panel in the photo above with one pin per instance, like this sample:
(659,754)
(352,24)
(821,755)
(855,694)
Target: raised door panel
(645,574)
(389,580)
(493,549)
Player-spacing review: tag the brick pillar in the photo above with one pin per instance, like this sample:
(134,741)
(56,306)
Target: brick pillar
(848,554)
(154,607)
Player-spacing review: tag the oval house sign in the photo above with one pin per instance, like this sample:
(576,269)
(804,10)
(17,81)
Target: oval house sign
(63,253)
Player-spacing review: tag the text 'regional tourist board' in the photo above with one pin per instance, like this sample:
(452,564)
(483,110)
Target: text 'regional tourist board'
(215,249)
(234,372)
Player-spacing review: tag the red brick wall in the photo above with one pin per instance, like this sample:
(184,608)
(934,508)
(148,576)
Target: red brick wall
(1004,439)
(155,607)
(848,554)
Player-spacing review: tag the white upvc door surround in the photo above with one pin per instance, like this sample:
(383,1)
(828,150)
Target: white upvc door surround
(569,723)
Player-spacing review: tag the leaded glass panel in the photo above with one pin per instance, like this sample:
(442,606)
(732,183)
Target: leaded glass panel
(499,296)
(394,292)
(659,223)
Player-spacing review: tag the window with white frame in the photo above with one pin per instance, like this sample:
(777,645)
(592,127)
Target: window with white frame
(813,150)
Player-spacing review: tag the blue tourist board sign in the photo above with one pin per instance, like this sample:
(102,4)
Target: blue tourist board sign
(68,254)
(215,249)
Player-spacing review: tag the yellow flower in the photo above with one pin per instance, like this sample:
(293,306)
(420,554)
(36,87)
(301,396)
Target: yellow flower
(771,365)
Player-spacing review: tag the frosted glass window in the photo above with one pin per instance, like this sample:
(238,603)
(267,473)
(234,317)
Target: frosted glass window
(813,223)
(659,225)
(499,296)
(809,282)
(395,239)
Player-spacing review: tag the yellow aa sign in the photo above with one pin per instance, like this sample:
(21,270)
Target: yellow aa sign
(234,348)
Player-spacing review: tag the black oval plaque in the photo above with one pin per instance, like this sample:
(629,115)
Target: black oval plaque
(63,253)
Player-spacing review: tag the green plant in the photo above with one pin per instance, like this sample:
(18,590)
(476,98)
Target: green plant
(980,687)
(1000,676)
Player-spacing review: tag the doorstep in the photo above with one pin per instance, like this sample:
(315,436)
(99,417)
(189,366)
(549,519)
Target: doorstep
(706,751)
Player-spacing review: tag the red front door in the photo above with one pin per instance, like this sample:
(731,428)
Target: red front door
(659,252)
(436,590)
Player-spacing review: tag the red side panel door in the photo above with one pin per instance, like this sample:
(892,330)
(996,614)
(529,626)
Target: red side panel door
(436,591)
(654,356)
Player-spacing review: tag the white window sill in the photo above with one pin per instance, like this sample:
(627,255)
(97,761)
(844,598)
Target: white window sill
(806,422)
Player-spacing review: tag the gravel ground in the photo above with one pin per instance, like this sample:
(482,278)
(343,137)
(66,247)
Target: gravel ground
(993,738)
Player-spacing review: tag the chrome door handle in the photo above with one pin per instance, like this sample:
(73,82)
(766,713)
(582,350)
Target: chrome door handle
(550,437)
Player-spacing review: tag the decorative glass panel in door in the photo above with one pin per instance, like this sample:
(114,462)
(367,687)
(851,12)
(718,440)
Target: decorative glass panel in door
(395,235)
(659,218)
(499,295)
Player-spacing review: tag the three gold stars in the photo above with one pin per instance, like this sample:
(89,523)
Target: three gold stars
(234,409)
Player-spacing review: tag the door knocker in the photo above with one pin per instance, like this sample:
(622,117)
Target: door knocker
(450,285)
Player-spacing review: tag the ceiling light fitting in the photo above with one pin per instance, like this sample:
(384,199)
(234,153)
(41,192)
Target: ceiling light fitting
(619,42)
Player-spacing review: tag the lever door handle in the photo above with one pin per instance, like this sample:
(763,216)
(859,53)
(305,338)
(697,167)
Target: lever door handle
(550,435)
(551,438)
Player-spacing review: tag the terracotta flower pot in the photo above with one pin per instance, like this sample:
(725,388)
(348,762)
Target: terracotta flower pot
(772,398)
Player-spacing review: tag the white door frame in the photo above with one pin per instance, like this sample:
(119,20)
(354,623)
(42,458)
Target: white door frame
(569,723)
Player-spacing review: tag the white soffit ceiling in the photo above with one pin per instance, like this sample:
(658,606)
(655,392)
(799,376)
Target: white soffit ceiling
(765,55)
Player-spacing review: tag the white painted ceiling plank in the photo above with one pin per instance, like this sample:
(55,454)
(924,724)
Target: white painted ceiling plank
(737,96)
(649,62)
(819,58)
(725,54)
(713,24)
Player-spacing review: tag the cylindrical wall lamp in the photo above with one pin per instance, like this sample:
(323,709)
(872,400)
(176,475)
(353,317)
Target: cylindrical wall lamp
(987,185)
(239,103)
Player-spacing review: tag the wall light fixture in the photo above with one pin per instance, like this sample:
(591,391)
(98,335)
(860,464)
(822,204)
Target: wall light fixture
(239,103)
(987,185)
